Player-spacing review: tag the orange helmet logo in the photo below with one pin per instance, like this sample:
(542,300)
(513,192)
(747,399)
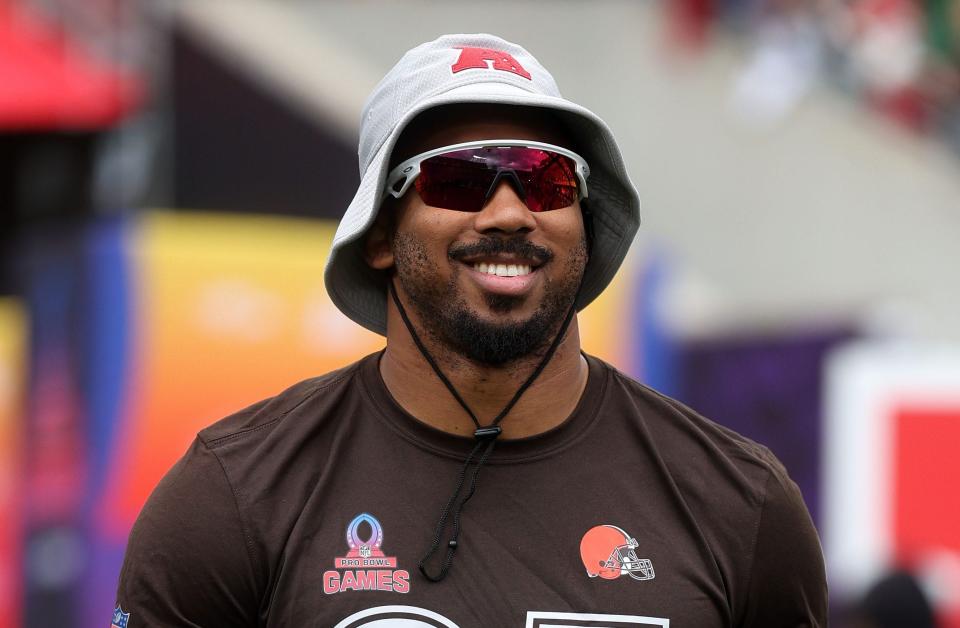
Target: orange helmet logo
(609,552)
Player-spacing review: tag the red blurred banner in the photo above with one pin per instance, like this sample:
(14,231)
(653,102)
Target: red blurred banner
(48,81)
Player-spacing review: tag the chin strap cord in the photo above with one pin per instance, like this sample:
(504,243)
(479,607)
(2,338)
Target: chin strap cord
(486,438)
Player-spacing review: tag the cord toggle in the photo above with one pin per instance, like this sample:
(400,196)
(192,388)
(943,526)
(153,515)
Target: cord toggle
(487,433)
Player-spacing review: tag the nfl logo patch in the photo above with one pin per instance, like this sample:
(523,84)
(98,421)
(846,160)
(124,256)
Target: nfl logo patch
(120,618)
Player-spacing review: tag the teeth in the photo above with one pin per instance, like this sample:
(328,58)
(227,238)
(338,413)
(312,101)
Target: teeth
(503,270)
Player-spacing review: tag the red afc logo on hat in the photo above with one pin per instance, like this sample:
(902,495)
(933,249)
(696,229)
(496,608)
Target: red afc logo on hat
(478,58)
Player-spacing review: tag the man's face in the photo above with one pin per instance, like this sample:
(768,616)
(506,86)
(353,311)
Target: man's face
(442,257)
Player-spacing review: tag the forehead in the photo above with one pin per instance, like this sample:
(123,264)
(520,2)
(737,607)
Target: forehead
(466,122)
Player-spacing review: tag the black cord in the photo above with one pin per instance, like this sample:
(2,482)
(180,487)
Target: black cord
(484,436)
(429,358)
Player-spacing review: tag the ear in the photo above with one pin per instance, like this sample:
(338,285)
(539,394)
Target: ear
(378,245)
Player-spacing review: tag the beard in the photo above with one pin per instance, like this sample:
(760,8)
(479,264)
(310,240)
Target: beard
(446,317)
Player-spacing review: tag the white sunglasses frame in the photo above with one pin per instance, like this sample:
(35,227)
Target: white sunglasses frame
(410,169)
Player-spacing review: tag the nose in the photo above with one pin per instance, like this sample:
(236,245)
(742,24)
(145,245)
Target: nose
(505,212)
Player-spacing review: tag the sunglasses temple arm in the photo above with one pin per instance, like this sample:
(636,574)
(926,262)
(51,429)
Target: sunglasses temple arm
(408,177)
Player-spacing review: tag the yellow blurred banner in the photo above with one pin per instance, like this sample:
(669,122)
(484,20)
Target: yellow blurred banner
(609,327)
(226,310)
(13,347)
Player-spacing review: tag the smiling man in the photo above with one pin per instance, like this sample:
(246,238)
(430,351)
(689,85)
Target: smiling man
(481,470)
(489,281)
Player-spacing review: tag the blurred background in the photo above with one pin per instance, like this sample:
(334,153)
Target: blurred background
(171,174)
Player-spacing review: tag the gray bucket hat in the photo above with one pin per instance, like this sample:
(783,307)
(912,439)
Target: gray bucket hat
(473,69)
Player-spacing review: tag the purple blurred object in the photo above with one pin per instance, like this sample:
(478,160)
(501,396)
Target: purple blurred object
(767,388)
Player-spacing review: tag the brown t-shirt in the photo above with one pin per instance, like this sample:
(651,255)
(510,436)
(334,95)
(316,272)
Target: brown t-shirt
(312,508)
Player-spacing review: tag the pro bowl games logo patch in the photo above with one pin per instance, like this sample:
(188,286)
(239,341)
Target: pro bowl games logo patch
(365,567)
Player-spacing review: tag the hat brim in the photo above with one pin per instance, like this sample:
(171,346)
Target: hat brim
(360,291)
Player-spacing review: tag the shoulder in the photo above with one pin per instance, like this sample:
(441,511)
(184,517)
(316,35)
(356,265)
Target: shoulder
(275,450)
(689,438)
(266,415)
(741,500)
(240,485)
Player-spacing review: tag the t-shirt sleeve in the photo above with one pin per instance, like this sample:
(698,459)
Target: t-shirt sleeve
(187,561)
(788,585)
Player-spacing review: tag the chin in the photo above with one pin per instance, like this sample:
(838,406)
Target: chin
(504,304)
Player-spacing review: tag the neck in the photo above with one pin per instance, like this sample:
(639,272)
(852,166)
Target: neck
(486,389)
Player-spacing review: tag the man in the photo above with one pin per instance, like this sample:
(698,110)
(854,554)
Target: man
(481,471)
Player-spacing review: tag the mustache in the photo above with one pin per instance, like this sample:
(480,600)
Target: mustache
(518,247)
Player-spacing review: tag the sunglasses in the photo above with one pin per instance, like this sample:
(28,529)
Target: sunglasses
(463,177)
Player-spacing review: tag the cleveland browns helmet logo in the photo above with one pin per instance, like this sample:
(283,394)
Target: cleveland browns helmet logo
(609,552)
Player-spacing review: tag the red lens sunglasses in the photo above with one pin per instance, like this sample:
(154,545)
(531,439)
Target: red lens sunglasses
(463,177)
